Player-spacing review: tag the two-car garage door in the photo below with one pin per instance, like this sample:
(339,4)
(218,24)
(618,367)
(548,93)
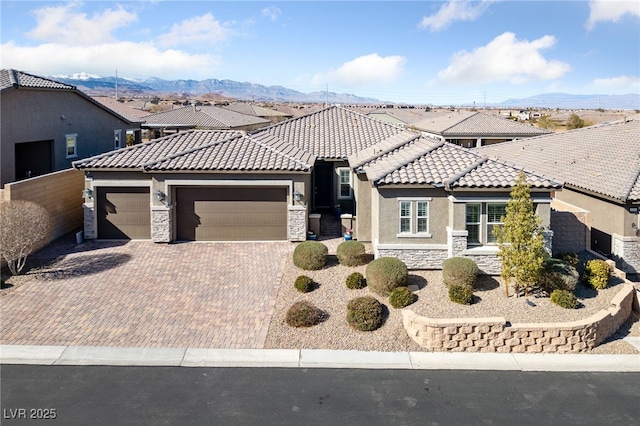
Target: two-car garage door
(202,213)
(231,214)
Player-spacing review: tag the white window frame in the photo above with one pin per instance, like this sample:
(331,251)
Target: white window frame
(71,141)
(424,217)
(339,170)
(490,238)
(478,223)
(413,217)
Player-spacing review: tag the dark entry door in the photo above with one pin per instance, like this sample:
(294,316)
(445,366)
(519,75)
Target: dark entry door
(323,185)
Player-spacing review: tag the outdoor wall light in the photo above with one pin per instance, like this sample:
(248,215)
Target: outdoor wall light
(297,196)
(160,196)
(87,193)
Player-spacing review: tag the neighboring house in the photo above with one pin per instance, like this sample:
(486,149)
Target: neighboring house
(600,166)
(404,117)
(474,129)
(414,197)
(46,125)
(200,117)
(257,111)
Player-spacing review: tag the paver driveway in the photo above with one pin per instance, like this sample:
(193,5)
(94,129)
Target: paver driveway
(141,294)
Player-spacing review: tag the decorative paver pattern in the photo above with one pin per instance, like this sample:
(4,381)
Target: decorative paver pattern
(141,294)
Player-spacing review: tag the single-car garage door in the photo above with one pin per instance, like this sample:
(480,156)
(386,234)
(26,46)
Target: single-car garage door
(231,214)
(123,213)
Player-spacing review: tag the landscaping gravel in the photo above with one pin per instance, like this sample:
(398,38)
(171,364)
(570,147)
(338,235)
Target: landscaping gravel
(332,296)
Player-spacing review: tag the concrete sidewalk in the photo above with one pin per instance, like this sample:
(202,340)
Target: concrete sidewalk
(313,358)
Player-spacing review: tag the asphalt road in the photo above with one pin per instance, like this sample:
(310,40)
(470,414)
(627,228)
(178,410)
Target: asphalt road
(269,396)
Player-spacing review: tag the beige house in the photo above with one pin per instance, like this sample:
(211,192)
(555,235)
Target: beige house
(414,197)
(599,206)
(46,125)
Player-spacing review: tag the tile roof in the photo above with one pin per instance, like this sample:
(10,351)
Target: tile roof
(334,132)
(255,110)
(208,117)
(407,115)
(203,150)
(132,114)
(603,159)
(12,78)
(442,164)
(470,123)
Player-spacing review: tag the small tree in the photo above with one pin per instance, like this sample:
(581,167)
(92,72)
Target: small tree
(575,122)
(520,239)
(24,227)
(545,122)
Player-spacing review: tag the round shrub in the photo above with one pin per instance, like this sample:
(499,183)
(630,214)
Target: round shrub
(459,271)
(402,297)
(351,253)
(570,257)
(310,255)
(303,314)
(564,298)
(596,273)
(461,294)
(385,274)
(356,281)
(364,313)
(558,275)
(303,284)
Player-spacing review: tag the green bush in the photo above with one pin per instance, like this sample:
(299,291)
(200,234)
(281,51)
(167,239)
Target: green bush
(303,314)
(459,271)
(570,257)
(461,294)
(356,281)
(597,273)
(385,274)
(310,255)
(557,275)
(351,253)
(401,297)
(564,298)
(364,313)
(303,284)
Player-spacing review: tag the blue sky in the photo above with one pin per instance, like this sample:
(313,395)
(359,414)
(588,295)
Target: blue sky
(416,52)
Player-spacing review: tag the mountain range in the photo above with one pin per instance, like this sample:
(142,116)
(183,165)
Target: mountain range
(106,86)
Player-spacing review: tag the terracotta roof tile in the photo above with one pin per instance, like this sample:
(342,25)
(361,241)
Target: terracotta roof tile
(604,159)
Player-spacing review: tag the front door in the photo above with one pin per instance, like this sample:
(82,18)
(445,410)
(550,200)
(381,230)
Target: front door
(323,185)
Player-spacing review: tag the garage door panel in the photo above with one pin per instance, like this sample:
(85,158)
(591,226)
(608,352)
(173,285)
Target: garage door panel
(123,213)
(231,214)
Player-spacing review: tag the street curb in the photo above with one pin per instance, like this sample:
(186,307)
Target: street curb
(313,358)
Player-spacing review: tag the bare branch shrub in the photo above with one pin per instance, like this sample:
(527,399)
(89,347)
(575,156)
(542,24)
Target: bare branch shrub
(24,227)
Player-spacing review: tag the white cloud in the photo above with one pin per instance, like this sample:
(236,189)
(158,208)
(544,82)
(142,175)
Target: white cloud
(504,59)
(454,10)
(139,59)
(611,10)
(197,30)
(272,13)
(65,25)
(365,69)
(621,84)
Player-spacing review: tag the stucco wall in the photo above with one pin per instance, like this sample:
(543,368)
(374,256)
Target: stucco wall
(60,193)
(39,115)
(363,207)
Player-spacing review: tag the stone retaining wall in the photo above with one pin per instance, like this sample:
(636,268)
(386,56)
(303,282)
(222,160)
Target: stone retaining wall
(495,335)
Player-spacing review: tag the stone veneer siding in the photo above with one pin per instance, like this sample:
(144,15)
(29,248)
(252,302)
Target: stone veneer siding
(416,258)
(161,224)
(297,223)
(626,253)
(494,335)
(89,221)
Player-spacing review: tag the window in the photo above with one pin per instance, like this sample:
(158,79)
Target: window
(344,183)
(116,138)
(71,145)
(423,217)
(495,213)
(131,137)
(414,218)
(405,217)
(481,220)
(473,223)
